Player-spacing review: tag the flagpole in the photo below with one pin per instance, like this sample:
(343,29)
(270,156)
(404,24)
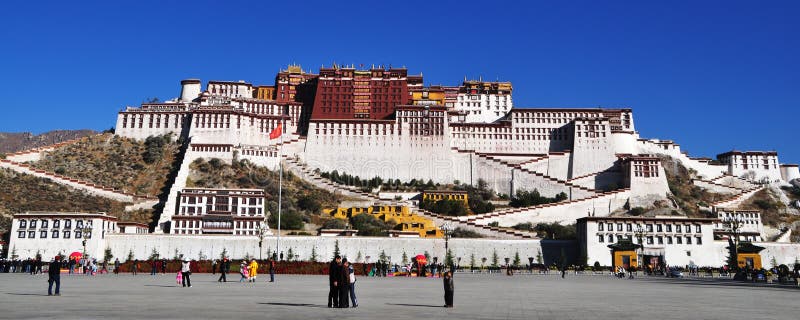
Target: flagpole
(280,189)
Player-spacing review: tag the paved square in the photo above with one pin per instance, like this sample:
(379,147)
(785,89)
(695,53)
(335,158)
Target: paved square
(477,297)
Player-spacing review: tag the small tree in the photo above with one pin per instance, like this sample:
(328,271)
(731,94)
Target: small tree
(223,254)
(130,255)
(38,255)
(427,255)
(336,248)
(448,258)
(382,256)
(495,259)
(290,255)
(359,257)
(153,254)
(517,262)
(774,262)
(107,256)
(539,258)
(201,256)
(14,253)
(405,258)
(313,257)
(472,260)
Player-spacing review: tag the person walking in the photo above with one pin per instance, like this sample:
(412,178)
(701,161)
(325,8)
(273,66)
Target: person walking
(243,272)
(223,270)
(71,265)
(352,282)
(253,269)
(116,266)
(153,267)
(54,276)
(135,268)
(333,273)
(163,266)
(344,288)
(214,267)
(449,289)
(185,273)
(271,264)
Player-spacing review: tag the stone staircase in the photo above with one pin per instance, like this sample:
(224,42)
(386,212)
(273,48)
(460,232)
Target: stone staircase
(484,230)
(304,172)
(735,200)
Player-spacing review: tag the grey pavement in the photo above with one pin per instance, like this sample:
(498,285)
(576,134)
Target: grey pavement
(477,297)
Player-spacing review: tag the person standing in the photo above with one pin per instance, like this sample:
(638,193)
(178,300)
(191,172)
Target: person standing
(71,265)
(344,288)
(243,272)
(333,273)
(214,267)
(186,271)
(163,266)
(253,268)
(271,264)
(223,270)
(352,282)
(153,267)
(135,268)
(54,276)
(449,289)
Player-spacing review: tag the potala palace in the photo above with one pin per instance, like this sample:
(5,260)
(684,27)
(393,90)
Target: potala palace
(383,122)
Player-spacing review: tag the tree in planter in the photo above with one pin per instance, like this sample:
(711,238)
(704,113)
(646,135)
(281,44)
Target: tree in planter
(290,255)
(472,260)
(107,256)
(382,257)
(38,255)
(130,255)
(359,257)
(495,259)
(405,258)
(313,257)
(201,256)
(336,248)
(539,258)
(448,258)
(517,260)
(427,255)
(153,254)
(223,254)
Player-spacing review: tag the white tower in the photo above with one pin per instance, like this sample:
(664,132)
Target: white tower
(190,89)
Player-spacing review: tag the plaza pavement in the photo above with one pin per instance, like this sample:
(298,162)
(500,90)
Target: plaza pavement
(477,297)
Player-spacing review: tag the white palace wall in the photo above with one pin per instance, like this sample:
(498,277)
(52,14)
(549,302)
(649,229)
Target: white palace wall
(239,246)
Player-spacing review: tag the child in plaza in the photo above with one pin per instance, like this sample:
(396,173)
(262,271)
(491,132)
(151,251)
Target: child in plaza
(243,271)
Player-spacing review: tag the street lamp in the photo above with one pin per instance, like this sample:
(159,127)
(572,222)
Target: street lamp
(447,229)
(639,235)
(86,231)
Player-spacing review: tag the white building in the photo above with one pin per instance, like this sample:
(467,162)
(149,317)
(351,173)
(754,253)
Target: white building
(220,211)
(484,101)
(51,233)
(132,228)
(671,240)
(752,165)
(749,224)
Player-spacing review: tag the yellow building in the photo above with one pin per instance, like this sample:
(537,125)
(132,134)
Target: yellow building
(436,195)
(264,92)
(623,254)
(433,95)
(406,220)
(748,256)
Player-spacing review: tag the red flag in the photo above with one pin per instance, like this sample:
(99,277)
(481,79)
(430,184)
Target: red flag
(276,133)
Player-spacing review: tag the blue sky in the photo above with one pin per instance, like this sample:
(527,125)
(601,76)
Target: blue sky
(710,75)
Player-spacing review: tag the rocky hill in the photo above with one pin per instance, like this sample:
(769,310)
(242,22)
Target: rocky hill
(19,141)
(139,167)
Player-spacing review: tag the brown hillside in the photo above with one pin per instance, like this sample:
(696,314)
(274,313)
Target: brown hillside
(22,192)
(139,167)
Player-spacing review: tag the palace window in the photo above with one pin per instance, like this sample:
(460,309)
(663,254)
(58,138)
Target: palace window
(619,227)
(669,228)
(600,238)
(697,228)
(688,240)
(698,240)
(660,240)
(56,223)
(44,223)
(32,234)
(33,223)
(678,228)
(679,240)
(43,234)
(659,228)
(649,228)
(21,235)
(23,224)
(669,239)
(629,227)
(610,238)
(77,234)
(66,234)
(55,234)
(650,240)
(79,224)
(67,224)
(600,227)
